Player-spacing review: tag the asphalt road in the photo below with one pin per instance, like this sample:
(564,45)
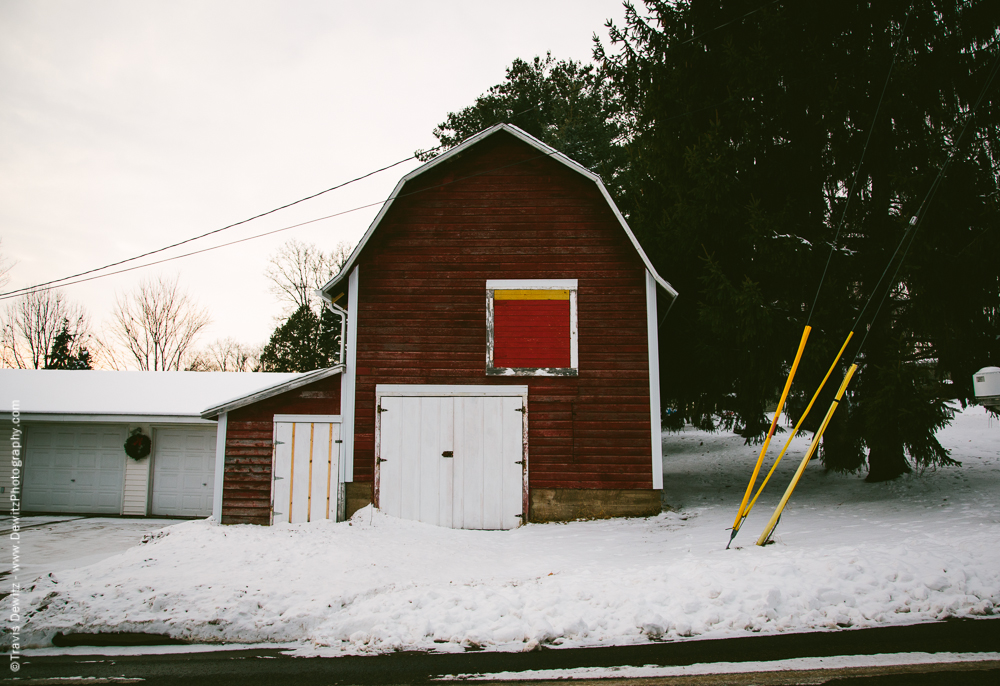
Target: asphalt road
(239,668)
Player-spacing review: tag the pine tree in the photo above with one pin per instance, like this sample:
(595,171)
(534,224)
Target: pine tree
(67,352)
(566,104)
(303,343)
(748,122)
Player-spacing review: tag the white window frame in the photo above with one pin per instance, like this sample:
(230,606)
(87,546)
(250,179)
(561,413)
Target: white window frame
(534,285)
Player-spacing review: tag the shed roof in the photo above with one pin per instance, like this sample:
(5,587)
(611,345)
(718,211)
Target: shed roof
(281,386)
(468,143)
(108,394)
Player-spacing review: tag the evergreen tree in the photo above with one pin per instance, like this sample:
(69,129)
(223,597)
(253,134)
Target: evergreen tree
(302,343)
(566,104)
(747,125)
(67,352)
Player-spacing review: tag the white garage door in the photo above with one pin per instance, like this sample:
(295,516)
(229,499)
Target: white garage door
(183,471)
(74,468)
(452,461)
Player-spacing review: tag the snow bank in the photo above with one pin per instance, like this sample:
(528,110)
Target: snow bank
(848,554)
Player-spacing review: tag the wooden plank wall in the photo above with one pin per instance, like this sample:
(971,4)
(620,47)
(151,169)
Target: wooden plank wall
(246,490)
(136,491)
(503,211)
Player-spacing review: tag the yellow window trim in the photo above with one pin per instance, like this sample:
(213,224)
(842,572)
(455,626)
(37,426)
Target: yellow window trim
(531,295)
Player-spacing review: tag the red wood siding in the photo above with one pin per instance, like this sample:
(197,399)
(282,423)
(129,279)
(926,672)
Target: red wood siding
(531,333)
(501,210)
(246,486)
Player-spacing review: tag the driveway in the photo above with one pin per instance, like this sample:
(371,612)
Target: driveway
(50,543)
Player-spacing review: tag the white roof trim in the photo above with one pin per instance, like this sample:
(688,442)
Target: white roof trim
(468,142)
(532,284)
(91,418)
(269,392)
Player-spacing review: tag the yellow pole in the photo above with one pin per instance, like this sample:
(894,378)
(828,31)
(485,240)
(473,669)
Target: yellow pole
(798,425)
(805,460)
(774,422)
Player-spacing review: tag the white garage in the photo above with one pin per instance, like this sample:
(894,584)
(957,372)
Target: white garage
(454,456)
(75,426)
(77,468)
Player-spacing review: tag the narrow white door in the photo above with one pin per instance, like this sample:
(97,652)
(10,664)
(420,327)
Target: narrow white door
(305,472)
(452,461)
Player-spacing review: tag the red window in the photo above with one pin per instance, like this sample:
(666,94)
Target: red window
(532,327)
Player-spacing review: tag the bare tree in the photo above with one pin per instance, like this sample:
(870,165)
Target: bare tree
(157,323)
(6,264)
(339,256)
(297,269)
(30,324)
(226,355)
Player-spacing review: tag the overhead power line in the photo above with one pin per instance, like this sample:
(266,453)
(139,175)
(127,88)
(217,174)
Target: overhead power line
(55,282)
(72,280)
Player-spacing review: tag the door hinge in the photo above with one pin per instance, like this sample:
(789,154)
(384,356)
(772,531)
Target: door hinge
(519,462)
(521,409)
(279,443)
(382,409)
(448,453)
(338,441)
(278,478)
(381,460)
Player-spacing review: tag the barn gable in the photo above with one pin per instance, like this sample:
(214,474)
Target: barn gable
(458,151)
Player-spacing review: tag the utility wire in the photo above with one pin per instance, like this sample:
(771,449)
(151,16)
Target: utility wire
(19,291)
(746,505)
(63,282)
(915,224)
(918,219)
(68,280)
(857,170)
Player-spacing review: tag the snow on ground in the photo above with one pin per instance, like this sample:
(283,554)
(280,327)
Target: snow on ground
(847,554)
(55,543)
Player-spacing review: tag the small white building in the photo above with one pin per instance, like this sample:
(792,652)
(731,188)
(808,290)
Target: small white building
(74,428)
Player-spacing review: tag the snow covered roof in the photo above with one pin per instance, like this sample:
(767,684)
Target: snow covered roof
(92,395)
(469,142)
(282,386)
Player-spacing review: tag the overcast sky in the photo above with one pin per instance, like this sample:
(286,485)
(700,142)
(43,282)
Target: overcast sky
(127,125)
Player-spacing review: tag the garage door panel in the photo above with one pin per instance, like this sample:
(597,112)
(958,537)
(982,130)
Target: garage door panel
(74,468)
(183,471)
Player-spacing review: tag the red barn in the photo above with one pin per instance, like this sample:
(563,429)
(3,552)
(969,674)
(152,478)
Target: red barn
(502,345)
(501,356)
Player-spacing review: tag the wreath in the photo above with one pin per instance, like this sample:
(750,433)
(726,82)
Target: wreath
(137,446)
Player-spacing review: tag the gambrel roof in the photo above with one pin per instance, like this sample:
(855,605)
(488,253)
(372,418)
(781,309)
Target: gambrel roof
(468,143)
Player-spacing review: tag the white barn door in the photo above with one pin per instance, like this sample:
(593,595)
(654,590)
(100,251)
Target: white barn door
(305,471)
(452,460)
